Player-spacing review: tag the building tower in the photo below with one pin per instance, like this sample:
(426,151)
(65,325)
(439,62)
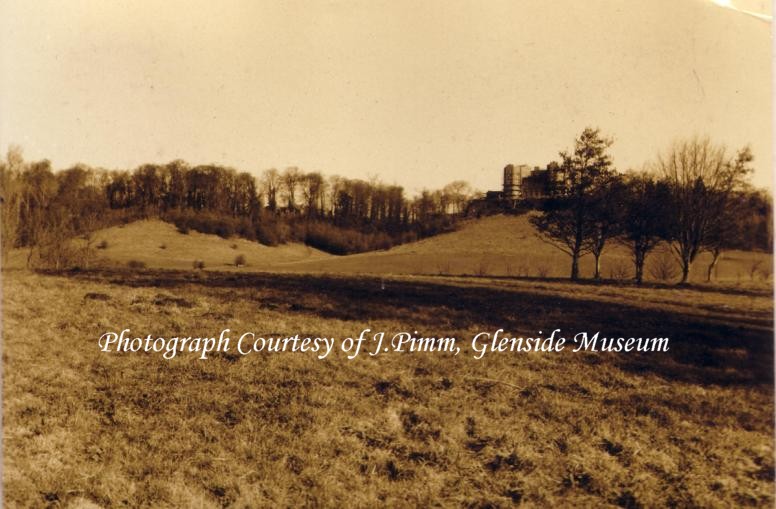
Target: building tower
(513,180)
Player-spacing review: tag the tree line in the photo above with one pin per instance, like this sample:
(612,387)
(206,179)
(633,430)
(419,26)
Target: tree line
(41,208)
(694,197)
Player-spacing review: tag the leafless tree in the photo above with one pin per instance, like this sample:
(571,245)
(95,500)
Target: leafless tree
(701,177)
(271,182)
(644,219)
(290,179)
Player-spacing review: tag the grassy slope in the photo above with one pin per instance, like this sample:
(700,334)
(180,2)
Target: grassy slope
(689,428)
(161,245)
(507,245)
(492,246)
(142,240)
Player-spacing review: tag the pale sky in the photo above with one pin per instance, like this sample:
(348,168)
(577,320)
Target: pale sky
(417,93)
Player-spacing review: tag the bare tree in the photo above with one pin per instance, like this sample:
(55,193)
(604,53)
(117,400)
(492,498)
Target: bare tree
(701,177)
(726,230)
(10,199)
(645,218)
(605,212)
(312,192)
(457,193)
(271,182)
(291,178)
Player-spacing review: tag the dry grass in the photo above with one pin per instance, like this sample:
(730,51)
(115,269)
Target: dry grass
(492,246)
(689,428)
(160,245)
(510,247)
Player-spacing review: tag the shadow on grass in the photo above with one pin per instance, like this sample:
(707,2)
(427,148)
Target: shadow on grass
(627,283)
(701,350)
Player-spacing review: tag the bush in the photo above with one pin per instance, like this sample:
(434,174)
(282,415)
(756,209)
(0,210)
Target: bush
(444,267)
(620,270)
(198,264)
(342,241)
(482,268)
(271,232)
(663,267)
(136,264)
(103,244)
(239,260)
(163,246)
(208,222)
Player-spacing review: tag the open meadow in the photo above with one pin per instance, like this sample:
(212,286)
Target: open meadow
(358,254)
(495,246)
(691,427)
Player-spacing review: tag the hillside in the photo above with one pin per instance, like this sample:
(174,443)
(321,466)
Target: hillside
(161,245)
(491,246)
(509,246)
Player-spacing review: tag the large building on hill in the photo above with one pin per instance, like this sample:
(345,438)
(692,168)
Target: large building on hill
(522,185)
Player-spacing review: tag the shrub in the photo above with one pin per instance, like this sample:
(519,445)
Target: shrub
(103,244)
(208,222)
(542,271)
(620,270)
(198,264)
(342,241)
(754,269)
(136,264)
(270,231)
(444,267)
(482,268)
(239,260)
(163,246)
(663,267)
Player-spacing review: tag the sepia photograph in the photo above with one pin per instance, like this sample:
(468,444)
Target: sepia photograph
(351,253)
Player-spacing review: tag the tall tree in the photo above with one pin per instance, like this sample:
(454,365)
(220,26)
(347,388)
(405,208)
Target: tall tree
(271,182)
(565,221)
(644,219)
(291,178)
(605,211)
(10,199)
(702,179)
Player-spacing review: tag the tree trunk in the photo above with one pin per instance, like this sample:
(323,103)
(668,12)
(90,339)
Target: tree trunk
(685,271)
(639,262)
(575,266)
(597,275)
(715,256)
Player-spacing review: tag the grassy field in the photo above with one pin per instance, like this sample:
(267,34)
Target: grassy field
(158,244)
(509,246)
(472,250)
(688,428)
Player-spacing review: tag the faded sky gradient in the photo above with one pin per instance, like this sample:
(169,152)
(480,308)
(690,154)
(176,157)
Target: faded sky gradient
(418,93)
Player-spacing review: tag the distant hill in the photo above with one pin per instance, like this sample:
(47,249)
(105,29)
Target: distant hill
(504,245)
(493,245)
(161,245)
(498,245)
